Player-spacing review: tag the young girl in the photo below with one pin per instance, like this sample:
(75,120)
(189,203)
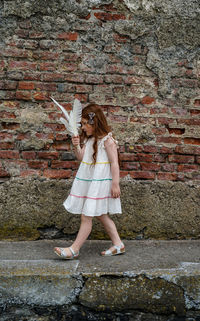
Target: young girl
(95,190)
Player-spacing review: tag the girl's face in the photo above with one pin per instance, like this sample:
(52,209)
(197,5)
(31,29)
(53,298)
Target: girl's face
(87,128)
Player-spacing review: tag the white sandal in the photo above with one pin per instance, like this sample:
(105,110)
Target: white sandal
(118,249)
(63,254)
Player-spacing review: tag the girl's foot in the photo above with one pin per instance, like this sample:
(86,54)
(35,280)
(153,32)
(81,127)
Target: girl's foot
(66,253)
(114,250)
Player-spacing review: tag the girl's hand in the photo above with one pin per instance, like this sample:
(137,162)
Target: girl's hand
(115,191)
(76,141)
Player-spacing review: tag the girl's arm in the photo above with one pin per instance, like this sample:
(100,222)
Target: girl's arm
(111,150)
(79,152)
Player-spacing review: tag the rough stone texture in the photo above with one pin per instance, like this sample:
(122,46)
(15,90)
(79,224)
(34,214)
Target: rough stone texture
(98,293)
(139,60)
(160,210)
(153,281)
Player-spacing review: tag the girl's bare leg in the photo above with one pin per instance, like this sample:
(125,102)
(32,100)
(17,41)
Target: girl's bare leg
(83,233)
(111,229)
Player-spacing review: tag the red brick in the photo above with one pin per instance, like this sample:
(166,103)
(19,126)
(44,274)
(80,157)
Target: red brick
(30,172)
(192,141)
(36,35)
(4,173)
(6,145)
(61,146)
(45,136)
(77,78)
(104,16)
(45,55)
(94,79)
(160,158)
(198,159)
(147,100)
(168,140)
(53,77)
(55,127)
(189,122)
(154,111)
(46,86)
(82,97)
(167,176)
(150,166)
(168,167)
(48,66)
(159,131)
(2,65)
(9,154)
(176,131)
(115,79)
(38,164)
(29,155)
(192,150)
(6,137)
(22,65)
(23,95)
(187,168)
(120,38)
(151,149)
(145,158)
(9,85)
(165,120)
(123,174)
(166,150)
(40,96)
(129,166)
(48,155)
(83,88)
(11,104)
(72,36)
(64,164)
(181,159)
(32,76)
(56,174)
(197,102)
(26,85)
(10,126)
(142,175)
(128,157)
(5,114)
(194,112)
(179,111)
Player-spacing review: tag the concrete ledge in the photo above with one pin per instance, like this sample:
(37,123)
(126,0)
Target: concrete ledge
(154,279)
(151,210)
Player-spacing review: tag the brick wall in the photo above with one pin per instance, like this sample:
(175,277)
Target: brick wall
(148,89)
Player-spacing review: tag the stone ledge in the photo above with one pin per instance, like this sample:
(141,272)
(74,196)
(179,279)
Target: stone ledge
(158,278)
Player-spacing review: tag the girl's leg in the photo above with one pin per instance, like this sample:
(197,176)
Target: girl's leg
(83,233)
(111,229)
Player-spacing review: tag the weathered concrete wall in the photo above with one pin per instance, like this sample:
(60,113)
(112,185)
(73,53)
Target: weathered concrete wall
(139,60)
(32,209)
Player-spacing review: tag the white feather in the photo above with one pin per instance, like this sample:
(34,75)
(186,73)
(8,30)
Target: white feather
(61,107)
(72,121)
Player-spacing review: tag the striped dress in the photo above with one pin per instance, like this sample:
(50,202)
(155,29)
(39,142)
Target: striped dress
(91,190)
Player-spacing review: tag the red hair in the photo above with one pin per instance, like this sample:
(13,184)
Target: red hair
(100,125)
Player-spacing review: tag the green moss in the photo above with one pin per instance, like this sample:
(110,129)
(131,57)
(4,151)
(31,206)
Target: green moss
(18,233)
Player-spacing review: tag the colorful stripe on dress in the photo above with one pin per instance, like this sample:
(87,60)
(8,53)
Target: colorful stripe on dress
(95,163)
(91,198)
(90,180)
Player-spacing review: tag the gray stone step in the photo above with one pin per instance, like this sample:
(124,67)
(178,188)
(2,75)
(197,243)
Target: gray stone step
(157,277)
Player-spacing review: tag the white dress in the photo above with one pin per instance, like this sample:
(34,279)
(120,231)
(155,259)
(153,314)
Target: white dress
(91,190)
